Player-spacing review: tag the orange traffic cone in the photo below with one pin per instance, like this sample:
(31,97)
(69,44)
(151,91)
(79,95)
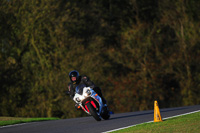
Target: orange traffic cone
(157,116)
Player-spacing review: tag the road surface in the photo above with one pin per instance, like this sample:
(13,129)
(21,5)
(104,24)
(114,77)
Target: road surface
(90,125)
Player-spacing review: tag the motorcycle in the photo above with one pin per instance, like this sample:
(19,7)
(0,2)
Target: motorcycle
(91,102)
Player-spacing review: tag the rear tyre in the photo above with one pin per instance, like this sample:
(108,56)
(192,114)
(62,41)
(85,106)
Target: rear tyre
(106,116)
(93,112)
(105,113)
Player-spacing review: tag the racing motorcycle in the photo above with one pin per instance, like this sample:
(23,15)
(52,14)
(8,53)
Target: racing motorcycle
(91,102)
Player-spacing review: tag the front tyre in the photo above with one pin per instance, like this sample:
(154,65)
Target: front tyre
(93,112)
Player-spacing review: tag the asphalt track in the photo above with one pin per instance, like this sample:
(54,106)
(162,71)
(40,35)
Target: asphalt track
(90,125)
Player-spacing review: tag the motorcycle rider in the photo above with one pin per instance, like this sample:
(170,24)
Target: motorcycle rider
(77,79)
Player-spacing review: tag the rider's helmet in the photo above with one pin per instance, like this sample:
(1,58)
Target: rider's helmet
(74,76)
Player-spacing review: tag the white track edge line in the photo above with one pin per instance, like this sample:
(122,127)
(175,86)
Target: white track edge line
(19,124)
(150,122)
(13,125)
(181,114)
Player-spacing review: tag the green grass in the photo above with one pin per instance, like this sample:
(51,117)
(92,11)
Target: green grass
(182,124)
(16,120)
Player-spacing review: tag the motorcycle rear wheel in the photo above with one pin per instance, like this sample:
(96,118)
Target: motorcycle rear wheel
(93,112)
(105,113)
(106,116)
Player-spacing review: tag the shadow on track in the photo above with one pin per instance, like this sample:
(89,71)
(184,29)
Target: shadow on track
(149,112)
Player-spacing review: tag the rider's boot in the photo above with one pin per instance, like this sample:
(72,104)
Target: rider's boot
(104,101)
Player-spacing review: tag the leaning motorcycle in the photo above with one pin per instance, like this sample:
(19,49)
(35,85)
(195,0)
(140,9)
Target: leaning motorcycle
(91,102)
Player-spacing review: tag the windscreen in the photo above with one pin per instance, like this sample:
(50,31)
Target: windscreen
(79,89)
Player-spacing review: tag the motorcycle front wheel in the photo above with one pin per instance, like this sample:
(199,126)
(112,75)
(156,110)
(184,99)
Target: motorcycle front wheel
(93,112)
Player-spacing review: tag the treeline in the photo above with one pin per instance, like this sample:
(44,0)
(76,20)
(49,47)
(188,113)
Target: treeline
(137,51)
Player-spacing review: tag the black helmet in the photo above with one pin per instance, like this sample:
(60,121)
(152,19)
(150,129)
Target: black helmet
(74,73)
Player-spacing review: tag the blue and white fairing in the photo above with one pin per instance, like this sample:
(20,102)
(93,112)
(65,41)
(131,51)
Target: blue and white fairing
(82,92)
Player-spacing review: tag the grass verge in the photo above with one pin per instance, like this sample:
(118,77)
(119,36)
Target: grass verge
(187,123)
(16,120)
